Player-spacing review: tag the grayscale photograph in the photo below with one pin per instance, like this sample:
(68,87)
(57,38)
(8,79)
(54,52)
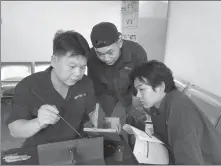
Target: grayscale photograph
(110,82)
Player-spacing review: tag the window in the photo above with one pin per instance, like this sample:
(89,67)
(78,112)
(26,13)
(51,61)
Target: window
(11,74)
(41,66)
(15,71)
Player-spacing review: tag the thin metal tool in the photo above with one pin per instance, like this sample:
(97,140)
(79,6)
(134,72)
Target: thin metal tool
(58,114)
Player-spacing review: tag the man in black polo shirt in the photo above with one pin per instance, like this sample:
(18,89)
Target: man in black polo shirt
(110,61)
(62,89)
(177,121)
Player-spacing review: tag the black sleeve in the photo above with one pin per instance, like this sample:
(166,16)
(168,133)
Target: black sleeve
(184,131)
(90,106)
(141,58)
(99,88)
(91,98)
(96,83)
(20,103)
(141,55)
(136,118)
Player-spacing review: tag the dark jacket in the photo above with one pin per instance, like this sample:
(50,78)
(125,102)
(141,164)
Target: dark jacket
(190,135)
(114,80)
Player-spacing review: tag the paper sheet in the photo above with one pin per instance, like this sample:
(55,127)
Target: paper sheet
(148,150)
(140,134)
(15,157)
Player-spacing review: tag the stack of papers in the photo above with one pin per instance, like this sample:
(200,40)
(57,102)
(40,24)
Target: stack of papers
(148,149)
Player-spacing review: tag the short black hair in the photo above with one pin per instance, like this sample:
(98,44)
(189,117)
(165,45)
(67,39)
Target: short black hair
(155,73)
(70,41)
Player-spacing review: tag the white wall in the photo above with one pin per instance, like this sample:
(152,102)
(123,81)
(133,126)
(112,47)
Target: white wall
(28,27)
(193,49)
(152,26)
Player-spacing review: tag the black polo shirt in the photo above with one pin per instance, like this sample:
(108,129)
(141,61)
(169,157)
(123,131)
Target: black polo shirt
(80,101)
(114,80)
(190,135)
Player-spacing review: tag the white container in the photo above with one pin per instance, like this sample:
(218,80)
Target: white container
(149,128)
(149,125)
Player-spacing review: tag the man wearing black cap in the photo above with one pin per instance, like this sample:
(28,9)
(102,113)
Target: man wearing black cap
(110,62)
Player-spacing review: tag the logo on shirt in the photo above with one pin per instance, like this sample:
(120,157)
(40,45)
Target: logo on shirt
(127,68)
(80,95)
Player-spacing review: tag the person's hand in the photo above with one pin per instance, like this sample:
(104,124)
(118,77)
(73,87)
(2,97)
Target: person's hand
(47,114)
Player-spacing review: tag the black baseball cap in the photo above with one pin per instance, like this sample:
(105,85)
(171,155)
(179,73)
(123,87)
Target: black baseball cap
(104,34)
